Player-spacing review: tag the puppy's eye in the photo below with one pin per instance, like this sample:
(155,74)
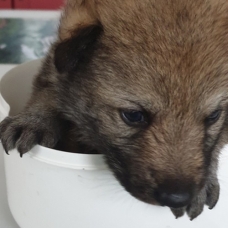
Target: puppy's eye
(134,117)
(214,116)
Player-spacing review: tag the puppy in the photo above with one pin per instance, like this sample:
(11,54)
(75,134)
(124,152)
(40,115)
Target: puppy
(144,82)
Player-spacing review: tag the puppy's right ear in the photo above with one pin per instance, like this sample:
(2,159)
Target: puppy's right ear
(78,32)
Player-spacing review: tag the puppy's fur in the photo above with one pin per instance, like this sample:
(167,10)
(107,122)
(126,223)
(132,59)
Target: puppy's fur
(167,59)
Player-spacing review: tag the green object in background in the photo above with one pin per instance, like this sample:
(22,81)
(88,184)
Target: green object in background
(22,40)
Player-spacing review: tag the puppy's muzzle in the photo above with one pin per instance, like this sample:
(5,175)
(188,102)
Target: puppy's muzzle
(173,200)
(174,194)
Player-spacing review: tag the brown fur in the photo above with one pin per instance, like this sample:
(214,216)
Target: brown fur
(77,14)
(165,58)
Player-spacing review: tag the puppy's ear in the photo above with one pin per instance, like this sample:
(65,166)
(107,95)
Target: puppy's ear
(78,32)
(77,49)
(78,14)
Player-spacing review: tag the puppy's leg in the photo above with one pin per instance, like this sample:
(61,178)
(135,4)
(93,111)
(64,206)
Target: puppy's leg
(39,123)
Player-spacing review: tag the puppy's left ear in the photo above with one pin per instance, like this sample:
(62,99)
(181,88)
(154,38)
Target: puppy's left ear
(76,49)
(78,32)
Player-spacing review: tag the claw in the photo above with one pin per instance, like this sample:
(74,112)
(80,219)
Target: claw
(7,152)
(5,149)
(178,212)
(21,154)
(193,217)
(212,207)
(194,212)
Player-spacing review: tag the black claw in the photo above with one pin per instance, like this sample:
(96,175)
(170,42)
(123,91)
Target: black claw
(212,207)
(192,218)
(6,150)
(178,216)
(178,213)
(4,147)
(21,154)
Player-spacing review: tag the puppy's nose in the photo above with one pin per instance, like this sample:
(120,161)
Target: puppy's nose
(174,200)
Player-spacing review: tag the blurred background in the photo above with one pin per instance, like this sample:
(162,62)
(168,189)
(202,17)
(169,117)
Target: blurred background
(27,28)
(31,4)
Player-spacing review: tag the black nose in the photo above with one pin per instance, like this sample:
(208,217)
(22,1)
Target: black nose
(174,200)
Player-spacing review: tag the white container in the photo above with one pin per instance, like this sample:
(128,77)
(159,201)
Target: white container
(54,189)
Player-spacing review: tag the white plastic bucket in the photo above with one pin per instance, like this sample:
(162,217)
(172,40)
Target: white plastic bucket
(53,189)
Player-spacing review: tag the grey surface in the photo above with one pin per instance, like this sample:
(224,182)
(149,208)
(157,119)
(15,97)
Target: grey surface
(6,218)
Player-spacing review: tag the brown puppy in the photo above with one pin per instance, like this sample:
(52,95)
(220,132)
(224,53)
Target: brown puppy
(146,83)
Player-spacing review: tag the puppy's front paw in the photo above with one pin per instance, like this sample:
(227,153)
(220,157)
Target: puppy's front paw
(209,195)
(25,131)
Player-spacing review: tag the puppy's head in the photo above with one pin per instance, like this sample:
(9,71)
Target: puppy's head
(148,86)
